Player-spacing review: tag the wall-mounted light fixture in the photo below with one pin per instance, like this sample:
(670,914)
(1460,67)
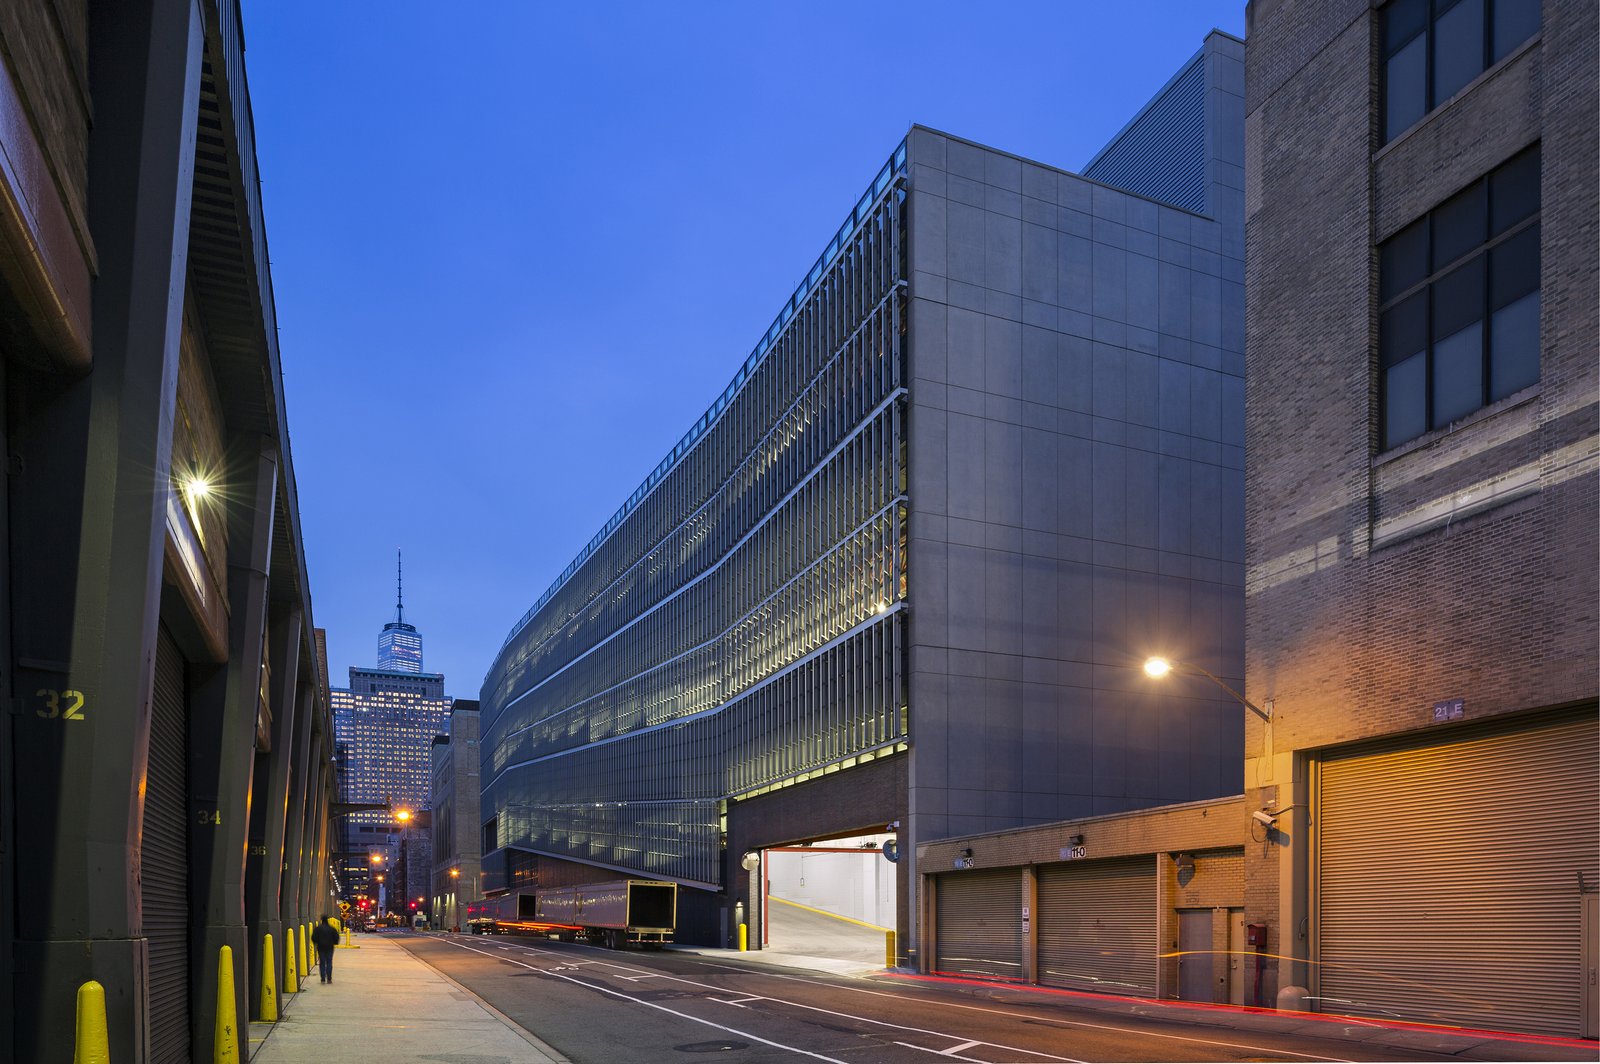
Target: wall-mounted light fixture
(1184,861)
(1074,840)
(966,851)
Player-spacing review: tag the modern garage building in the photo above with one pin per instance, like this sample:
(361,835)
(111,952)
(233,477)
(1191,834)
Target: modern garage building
(902,573)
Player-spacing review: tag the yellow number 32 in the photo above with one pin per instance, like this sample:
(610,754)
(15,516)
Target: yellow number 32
(67,705)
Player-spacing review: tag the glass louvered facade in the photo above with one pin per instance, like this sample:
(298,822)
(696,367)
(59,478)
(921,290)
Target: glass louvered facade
(738,624)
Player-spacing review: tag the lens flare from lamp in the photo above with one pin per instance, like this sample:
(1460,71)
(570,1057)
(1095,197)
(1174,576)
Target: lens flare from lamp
(1157,667)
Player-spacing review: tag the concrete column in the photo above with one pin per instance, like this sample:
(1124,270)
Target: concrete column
(222,742)
(88,500)
(302,797)
(269,804)
(319,900)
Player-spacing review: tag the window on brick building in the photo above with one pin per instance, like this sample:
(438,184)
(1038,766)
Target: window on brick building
(1459,303)
(1432,48)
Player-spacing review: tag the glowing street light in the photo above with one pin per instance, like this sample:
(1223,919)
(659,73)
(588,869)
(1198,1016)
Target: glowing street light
(402,815)
(455,873)
(1157,668)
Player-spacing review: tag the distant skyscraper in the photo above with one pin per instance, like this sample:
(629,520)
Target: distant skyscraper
(386,720)
(400,645)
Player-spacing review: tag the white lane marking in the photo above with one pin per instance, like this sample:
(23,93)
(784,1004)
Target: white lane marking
(739,1002)
(1084,1024)
(1044,1020)
(954,1053)
(944,1053)
(673,1012)
(842,1015)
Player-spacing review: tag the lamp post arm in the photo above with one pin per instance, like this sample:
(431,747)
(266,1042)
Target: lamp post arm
(1251,706)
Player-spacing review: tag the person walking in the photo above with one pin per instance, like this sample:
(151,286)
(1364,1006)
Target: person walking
(325,936)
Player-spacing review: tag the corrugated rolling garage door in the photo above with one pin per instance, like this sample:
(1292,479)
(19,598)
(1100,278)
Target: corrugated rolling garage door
(979,923)
(164,859)
(1448,876)
(1097,926)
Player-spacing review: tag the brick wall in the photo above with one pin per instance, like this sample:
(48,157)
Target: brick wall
(1378,584)
(46,47)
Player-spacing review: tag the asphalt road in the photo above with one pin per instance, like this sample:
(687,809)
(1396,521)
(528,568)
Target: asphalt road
(601,1007)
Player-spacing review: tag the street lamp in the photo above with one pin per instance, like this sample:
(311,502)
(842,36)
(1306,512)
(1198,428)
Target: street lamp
(1157,668)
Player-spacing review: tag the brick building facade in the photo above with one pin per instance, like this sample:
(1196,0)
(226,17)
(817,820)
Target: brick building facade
(1421,507)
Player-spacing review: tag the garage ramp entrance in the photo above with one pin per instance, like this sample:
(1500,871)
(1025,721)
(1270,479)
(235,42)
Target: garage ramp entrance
(831,900)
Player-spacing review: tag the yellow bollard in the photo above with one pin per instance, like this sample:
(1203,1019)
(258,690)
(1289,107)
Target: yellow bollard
(93,1046)
(305,951)
(744,938)
(291,975)
(888,949)
(225,1041)
(269,982)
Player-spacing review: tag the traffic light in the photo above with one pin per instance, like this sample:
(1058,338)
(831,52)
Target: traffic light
(413,905)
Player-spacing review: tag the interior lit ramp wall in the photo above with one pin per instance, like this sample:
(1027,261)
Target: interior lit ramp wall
(833,899)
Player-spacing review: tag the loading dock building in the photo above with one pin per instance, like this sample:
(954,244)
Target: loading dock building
(1143,904)
(903,572)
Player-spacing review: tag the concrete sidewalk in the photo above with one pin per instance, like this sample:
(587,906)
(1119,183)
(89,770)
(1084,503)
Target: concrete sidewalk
(386,1005)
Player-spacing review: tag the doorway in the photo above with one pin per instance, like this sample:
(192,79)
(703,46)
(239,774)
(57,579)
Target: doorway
(1236,956)
(1195,957)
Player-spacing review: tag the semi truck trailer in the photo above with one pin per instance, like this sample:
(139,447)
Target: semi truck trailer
(614,914)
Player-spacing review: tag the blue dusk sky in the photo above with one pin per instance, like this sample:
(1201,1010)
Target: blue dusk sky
(518,248)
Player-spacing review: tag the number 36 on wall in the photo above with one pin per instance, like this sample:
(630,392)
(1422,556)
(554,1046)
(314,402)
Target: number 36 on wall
(63,705)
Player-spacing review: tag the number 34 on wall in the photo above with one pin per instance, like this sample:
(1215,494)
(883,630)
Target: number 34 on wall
(63,705)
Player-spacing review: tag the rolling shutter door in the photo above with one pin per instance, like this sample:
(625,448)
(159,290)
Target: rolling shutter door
(1097,926)
(1448,877)
(979,924)
(164,859)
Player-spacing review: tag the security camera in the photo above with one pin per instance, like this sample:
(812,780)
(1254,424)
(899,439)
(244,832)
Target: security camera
(1265,818)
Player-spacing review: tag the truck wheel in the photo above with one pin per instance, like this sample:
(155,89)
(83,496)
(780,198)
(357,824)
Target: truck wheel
(617,941)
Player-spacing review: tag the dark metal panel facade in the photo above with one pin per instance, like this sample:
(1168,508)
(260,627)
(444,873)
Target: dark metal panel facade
(1162,152)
